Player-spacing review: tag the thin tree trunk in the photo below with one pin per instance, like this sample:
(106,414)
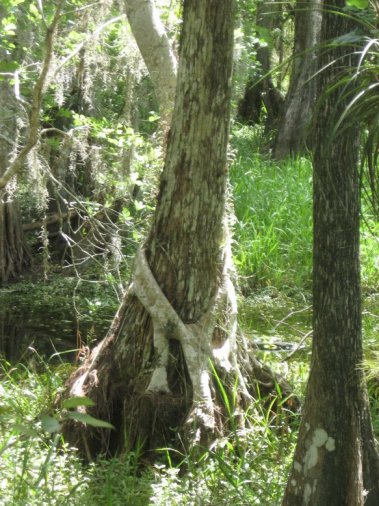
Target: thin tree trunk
(156,51)
(297,111)
(14,253)
(7,172)
(336,461)
(260,91)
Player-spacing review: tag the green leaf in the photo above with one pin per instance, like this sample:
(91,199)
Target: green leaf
(153,117)
(88,419)
(347,38)
(358,4)
(50,424)
(8,66)
(25,430)
(139,205)
(265,35)
(74,402)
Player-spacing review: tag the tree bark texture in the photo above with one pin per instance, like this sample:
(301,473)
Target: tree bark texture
(151,376)
(300,99)
(14,253)
(336,461)
(156,50)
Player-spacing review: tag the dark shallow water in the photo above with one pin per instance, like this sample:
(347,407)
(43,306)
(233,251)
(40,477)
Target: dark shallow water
(41,327)
(47,324)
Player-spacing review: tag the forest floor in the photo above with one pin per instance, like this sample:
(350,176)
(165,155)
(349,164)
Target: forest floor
(43,323)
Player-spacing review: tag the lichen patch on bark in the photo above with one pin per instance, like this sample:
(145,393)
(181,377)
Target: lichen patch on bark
(320,439)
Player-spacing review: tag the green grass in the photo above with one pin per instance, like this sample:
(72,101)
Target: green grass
(273,230)
(273,207)
(247,467)
(370,254)
(273,253)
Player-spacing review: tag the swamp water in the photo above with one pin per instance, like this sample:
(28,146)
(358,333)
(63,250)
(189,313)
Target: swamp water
(54,319)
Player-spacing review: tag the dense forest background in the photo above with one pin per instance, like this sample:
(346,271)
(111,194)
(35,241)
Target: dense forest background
(88,125)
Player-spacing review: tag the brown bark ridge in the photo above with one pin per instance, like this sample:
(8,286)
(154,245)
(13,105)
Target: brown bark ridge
(151,377)
(293,127)
(336,461)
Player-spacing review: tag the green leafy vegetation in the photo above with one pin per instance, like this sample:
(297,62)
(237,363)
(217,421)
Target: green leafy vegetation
(273,206)
(273,231)
(36,466)
(99,154)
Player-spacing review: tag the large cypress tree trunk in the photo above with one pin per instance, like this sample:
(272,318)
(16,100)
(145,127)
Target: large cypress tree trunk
(336,461)
(151,376)
(297,111)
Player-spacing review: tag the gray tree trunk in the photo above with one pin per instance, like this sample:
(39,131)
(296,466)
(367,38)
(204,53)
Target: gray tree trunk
(151,376)
(260,91)
(336,461)
(156,50)
(300,99)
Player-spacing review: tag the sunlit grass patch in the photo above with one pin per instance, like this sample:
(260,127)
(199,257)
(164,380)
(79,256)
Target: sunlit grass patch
(273,206)
(38,468)
(273,231)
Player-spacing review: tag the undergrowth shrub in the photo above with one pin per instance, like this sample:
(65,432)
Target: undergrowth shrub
(37,467)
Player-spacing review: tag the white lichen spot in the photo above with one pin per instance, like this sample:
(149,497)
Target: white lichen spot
(293,483)
(330,445)
(320,437)
(307,426)
(297,466)
(307,493)
(311,457)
